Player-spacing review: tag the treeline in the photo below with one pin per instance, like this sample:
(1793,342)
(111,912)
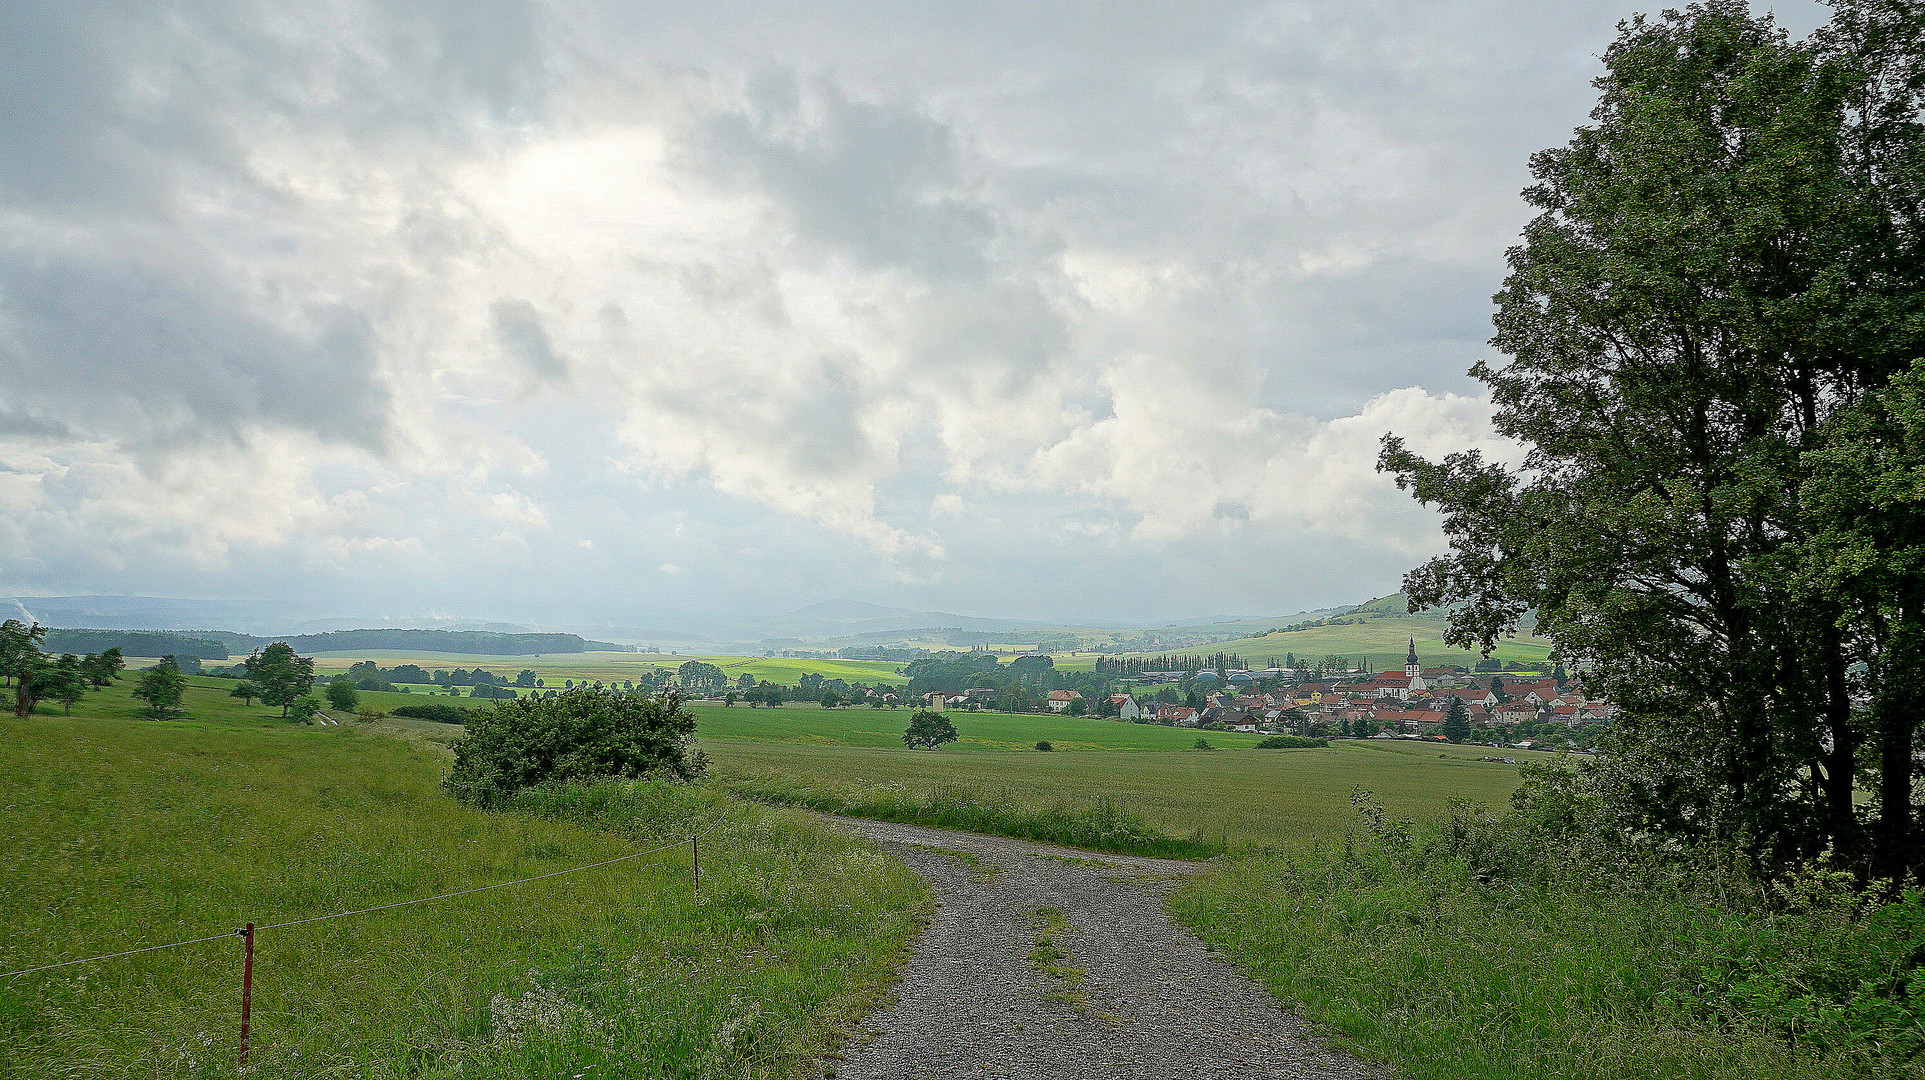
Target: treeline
(1136,665)
(136,643)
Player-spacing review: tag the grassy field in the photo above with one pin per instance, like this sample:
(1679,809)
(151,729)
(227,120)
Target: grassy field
(1384,638)
(117,833)
(1243,797)
(882,728)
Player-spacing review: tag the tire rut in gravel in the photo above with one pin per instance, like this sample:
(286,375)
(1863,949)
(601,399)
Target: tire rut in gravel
(1115,989)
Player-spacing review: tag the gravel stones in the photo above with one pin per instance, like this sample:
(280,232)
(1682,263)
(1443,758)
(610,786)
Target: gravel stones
(1151,1000)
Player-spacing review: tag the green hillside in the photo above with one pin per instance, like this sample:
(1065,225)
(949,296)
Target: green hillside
(1381,631)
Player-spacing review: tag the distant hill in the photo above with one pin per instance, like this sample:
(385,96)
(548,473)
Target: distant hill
(1379,630)
(482,642)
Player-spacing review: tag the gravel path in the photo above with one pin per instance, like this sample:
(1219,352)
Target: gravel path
(1132,995)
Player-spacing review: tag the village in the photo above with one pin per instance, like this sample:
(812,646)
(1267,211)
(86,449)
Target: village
(1414,702)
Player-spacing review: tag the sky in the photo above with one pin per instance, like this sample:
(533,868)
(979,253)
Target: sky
(557,310)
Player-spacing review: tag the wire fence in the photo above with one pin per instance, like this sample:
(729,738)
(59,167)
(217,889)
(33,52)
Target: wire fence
(247,933)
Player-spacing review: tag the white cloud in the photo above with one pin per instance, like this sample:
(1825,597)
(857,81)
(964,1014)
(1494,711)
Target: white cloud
(416,298)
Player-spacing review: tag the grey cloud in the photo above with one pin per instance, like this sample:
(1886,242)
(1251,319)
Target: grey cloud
(525,339)
(882,182)
(166,355)
(20,424)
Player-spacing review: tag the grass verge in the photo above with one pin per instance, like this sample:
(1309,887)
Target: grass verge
(116,834)
(1465,953)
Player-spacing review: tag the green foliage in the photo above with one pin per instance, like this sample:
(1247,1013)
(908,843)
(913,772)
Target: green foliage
(161,687)
(1456,725)
(246,691)
(1290,742)
(1642,959)
(1044,745)
(436,711)
(66,682)
(104,667)
(701,675)
(928,730)
(579,734)
(1721,266)
(304,710)
(282,676)
(342,696)
(137,642)
(1202,744)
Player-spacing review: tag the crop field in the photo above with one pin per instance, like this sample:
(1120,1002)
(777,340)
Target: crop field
(618,666)
(117,833)
(1242,796)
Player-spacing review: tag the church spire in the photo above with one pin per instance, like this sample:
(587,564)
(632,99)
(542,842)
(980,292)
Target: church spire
(1412,657)
(1411,667)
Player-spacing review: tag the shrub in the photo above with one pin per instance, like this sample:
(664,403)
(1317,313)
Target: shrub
(1290,742)
(1044,745)
(580,734)
(436,711)
(1202,744)
(343,696)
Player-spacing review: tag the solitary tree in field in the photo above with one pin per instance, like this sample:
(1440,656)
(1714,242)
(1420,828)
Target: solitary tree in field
(282,676)
(161,687)
(246,691)
(928,730)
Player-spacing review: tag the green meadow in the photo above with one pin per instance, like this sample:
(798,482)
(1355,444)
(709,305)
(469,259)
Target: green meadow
(882,728)
(1235,797)
(118,833)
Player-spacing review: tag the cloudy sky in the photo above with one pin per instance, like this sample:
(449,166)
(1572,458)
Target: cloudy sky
(538,309)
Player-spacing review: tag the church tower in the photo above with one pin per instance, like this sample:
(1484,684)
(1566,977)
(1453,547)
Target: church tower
(1411,667)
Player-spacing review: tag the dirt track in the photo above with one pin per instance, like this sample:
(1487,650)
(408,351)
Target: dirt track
(1134,995)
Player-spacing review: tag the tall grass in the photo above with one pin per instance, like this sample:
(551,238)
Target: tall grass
(1098,824)
(1485,948)
(117,833)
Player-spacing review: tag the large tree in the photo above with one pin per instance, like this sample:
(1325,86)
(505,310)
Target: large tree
(283,677)
(1728,260)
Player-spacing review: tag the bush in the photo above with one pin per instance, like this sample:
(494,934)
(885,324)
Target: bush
(1202,744)
(343,696)
(1044,745)
(434,710)
(1290,742)
(580,734)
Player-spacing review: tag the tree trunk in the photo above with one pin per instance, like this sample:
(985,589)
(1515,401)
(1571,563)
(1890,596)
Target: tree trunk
(1838,812)
(1895,718)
